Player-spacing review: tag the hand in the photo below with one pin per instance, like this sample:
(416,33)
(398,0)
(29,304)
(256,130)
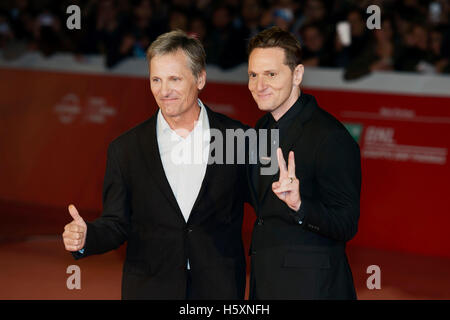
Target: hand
(287,188)
(74,235)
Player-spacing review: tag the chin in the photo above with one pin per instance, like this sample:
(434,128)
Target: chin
(169,112)
(265,106)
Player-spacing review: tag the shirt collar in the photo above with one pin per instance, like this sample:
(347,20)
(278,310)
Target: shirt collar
(291,114)
(202,122)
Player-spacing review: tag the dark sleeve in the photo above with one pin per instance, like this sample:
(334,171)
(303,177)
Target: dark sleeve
(335,212)
(110,230)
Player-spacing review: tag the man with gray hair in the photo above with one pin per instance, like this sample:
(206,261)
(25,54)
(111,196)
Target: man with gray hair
(181,219)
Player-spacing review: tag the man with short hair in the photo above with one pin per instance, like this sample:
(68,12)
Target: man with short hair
(308,210)
(182,219)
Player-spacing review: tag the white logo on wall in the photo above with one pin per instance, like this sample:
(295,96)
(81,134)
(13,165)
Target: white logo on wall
(70,109)
(379,143)
(98,110)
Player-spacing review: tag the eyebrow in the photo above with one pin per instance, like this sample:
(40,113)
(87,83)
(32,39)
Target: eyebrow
(265,71)
(168,76)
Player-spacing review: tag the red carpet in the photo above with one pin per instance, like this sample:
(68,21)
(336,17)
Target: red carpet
(35,268)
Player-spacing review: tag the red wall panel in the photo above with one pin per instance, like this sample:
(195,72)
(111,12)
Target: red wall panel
(55,128)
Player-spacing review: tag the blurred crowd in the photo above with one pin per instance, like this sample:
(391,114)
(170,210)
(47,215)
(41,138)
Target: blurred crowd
(414,34)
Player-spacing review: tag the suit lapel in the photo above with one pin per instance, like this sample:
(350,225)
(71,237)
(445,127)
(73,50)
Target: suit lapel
(295,130)
(211,168)
(257,178)
(149,144)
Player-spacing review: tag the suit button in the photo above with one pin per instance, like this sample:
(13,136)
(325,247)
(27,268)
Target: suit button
(189,230)
(260,222)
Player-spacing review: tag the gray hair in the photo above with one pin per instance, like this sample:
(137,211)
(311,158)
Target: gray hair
(173,41)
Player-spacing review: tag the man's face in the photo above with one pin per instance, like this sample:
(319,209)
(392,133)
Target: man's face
(173,85)
(272,83)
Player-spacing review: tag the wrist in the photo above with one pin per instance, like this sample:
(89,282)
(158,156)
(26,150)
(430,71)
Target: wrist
(296,206)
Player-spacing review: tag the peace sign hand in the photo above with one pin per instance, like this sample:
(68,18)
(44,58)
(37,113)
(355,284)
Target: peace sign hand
(287,188)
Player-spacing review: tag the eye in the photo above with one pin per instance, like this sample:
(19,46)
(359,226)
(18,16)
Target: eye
(155,80)
(252,75)
(272,74)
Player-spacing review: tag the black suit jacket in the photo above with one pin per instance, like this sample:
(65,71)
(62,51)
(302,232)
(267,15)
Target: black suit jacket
(139,207)
(308,261)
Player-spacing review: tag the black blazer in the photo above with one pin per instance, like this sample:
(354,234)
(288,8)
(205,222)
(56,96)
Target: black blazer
(139,207)
(308,261)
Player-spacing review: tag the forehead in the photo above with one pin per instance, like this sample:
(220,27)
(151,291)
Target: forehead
(173,62)
(266,58)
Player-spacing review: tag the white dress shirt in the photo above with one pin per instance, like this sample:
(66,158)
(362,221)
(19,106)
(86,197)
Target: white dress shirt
(184,159)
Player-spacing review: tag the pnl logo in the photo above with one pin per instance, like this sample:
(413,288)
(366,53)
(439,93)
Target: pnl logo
(354,129)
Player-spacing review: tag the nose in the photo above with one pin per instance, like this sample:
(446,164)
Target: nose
(165,89)
(260,84)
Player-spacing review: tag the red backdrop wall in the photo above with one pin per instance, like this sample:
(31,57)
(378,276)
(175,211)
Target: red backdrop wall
(55,128)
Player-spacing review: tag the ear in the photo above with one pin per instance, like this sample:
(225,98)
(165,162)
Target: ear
(201,80)
(298,74)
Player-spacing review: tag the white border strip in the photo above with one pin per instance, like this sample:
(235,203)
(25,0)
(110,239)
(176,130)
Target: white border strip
(314,78)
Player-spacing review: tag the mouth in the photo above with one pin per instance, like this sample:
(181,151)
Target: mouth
(263,96)
(168,99)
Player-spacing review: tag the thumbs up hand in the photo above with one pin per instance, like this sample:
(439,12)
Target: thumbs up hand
(74,235)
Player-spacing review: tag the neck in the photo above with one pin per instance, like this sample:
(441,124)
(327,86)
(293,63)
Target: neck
(282,109)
